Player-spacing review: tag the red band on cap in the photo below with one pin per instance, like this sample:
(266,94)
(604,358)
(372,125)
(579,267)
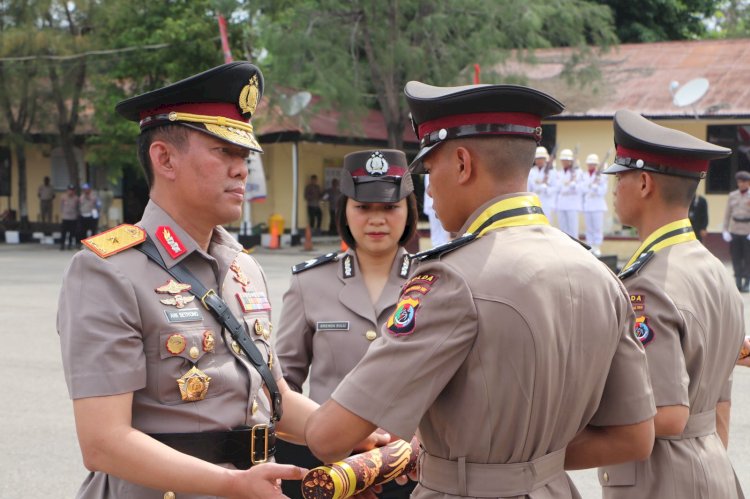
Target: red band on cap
(393,171)
(226,109)
(522,119)
(679,162)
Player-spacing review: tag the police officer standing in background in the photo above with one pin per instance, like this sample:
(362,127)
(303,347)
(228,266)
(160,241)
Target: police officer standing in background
(469,356)
(737,230)
(543,182)
(594,204)
(168,401)
(688,316)
(569,194)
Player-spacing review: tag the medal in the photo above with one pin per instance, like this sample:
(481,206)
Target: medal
(258,327)
(193,385)
(208,341)
(176,344)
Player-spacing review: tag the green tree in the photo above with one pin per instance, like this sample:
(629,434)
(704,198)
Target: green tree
(658,20)
(359,54)
(153,44)
(731,20)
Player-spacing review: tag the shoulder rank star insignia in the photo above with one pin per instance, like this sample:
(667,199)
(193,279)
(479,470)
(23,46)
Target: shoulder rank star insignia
(178,301)
(173,287)
(115,240)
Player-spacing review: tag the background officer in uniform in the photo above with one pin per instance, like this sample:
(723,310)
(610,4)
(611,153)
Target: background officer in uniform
(543,182)
(688,315)
(155,378)
(505,393)
(737,230)
(594,203)
(571,187)
(336,304)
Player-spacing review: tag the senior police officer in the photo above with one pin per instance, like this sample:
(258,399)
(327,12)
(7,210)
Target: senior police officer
(168,396)
(736,230)
(688,315)
(505,392)
(336,303)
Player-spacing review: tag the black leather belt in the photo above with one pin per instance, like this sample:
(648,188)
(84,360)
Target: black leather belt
(243,447)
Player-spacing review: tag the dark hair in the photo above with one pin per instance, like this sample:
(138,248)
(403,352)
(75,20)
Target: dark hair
(174,134)
(412,217)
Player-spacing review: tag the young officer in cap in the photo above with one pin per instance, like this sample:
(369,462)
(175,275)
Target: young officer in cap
(336,303)
(168,402)
(511,347)
(688,315)
(737,230)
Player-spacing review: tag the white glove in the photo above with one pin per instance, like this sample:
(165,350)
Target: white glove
(748,237)
(726,236)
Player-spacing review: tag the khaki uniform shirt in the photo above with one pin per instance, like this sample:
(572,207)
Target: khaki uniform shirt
(328,321)
(518,340)
(88,204)
(69,207)
(115,337)
(691,322)
(737,215)
(46,192)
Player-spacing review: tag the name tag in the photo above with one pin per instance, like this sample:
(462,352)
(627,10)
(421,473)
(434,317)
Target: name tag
(184,315)
(333,326)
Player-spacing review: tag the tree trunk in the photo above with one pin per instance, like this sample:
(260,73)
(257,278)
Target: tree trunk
(23,209)
(66,142)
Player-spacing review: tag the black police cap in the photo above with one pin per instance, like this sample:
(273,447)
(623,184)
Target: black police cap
(376,176)
(444,113)
(219,102)
(643,145)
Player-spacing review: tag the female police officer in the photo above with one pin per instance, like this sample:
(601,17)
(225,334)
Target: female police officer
(336,303)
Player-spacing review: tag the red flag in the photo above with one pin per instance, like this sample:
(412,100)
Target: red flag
(224,39)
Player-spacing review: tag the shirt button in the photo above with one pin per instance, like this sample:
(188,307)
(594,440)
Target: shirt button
(169,495)
(371,335)
(605,476)
(194,353)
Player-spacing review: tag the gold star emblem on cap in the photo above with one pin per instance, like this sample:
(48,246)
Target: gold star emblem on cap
(249,96)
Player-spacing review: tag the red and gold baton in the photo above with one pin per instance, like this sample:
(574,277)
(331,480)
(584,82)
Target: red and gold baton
(356,473)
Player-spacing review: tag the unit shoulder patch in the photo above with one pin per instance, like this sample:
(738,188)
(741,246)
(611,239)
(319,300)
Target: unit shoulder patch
(115,240)
(637,265)
(444,248)
(314,262)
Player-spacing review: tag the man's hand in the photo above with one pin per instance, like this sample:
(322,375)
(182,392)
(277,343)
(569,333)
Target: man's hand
(263,481)
(726,236)
(377,438)
(744,358)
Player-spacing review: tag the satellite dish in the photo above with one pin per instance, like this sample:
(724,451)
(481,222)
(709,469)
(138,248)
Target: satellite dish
(295,103)
(691,92)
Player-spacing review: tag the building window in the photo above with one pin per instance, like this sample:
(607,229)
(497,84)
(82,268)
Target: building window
(720,178)
(59,168)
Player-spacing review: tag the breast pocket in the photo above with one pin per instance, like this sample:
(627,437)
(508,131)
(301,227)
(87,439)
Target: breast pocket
(180,350)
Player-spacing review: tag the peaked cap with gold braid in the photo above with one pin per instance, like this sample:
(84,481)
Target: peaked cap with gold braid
(219,102)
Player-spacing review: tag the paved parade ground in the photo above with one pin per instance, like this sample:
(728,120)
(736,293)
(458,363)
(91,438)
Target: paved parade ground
(39,455)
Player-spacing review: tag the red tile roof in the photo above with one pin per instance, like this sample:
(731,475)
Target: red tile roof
(638,77)
(316,121)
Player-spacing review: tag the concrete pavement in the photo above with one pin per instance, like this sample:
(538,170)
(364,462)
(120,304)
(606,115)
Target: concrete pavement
(39,455)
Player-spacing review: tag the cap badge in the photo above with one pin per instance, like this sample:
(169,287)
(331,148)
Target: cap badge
(376,164)
(249,96)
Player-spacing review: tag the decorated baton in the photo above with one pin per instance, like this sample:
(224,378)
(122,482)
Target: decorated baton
(356,473)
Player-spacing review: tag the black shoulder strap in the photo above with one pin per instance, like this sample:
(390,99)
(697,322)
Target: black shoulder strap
(637,265)
(308,264)
(213,302)
(444,248)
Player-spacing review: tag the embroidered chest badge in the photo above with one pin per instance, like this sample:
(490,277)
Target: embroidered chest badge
(170,241)
(175,289)
(643,331)
(638,302)
(404,318)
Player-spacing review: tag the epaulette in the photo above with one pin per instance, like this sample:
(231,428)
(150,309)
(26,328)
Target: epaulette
(637,265)
(444,248)
(308,264)
(115,240)
(585,246)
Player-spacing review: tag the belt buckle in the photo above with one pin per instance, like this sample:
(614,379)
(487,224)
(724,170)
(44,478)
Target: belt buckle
(203,298)
(263,428)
